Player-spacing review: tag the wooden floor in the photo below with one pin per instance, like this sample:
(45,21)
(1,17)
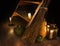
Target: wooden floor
(7,39)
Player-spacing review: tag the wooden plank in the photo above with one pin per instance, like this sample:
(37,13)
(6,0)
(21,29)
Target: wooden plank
(34,25)
(23,17)
(36,11)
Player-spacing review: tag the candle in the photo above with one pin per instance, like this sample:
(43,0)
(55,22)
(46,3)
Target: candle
(48,26)
(10,19)
(51,34)
(29,15)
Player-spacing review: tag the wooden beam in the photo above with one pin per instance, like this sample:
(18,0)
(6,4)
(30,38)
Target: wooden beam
(32,2)
(23,17)
(36,11)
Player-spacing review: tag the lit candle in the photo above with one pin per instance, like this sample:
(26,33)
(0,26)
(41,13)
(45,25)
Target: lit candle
(29,15)
(48,26)
(10,19)
(51,34)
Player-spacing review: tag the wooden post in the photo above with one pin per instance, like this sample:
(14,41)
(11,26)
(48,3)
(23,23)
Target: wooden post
(33,29)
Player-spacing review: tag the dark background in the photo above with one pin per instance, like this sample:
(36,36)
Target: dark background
(8,6)
(54,13)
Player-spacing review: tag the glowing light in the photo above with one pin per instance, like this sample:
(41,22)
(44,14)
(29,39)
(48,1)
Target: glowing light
(51,34)
(51,31)
(48,25)
(10,19)
(11,31)
(43,31)
(29,15)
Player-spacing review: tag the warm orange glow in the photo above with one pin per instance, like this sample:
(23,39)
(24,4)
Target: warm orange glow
(11,32)
(43,31)
(15,14)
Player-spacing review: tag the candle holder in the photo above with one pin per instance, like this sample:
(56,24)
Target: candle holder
(10,22)
(52,31)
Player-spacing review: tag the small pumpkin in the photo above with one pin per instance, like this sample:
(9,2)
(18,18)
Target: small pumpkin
(19,30)
(39,39)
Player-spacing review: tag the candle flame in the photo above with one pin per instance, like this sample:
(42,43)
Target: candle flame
(51,34)
(51,31)
(10,19)
(29,15)
(48,25)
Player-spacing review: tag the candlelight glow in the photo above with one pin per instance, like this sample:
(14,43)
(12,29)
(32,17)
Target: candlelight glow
(29,15)
(11,31)
(48,25)
(51,34)
(43,31)
(51,31)
(10,19)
